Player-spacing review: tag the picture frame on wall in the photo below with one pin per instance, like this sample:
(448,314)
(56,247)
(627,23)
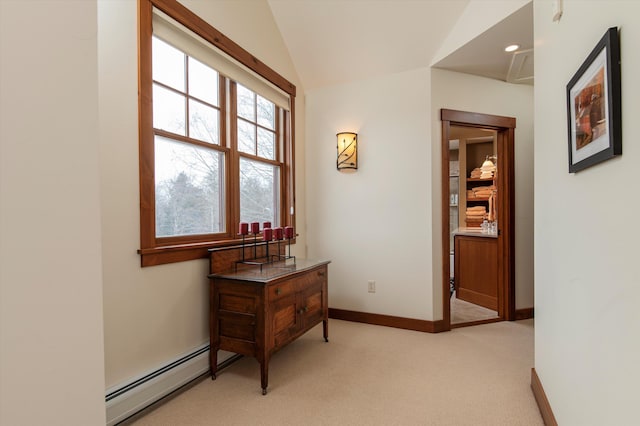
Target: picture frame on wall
(594,106)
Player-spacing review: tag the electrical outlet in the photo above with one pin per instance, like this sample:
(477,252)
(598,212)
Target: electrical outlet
(372,286)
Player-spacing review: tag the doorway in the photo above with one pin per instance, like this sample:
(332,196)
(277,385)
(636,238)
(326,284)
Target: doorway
(496,134)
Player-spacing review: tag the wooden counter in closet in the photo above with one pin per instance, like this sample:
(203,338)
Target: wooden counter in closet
(476,267)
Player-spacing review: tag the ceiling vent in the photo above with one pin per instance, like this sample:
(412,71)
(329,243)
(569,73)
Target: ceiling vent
(521,67)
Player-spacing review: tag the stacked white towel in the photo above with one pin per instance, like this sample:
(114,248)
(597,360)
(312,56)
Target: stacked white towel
(487,170)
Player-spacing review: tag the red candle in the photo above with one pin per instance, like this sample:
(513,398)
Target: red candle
(243,228)
(255,227)
(288,231)
(278,233)
(267,234)
(266,225)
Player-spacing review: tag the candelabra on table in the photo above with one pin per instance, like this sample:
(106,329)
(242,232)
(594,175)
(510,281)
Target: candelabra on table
(269,235)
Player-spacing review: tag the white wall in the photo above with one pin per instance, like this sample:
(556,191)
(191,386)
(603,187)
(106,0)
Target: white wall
(465,92)
(586,238)
(51,357)
(374,224)
(382,222)
(155,314)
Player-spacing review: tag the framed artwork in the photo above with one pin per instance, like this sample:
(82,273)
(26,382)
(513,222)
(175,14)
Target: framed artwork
(594,106)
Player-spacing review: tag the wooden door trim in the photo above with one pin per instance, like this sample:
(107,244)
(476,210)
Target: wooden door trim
(506,223)
(476,119)
(446,249)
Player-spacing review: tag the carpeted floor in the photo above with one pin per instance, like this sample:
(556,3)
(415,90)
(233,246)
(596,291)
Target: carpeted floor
(372,375)
(463,311)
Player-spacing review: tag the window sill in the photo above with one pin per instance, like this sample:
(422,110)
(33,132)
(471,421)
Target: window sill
(172,254)
(183,252)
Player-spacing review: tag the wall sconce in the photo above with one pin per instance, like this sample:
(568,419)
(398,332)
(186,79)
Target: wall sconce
(347,150)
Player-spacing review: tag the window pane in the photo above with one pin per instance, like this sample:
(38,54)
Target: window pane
(203,122)
(259,192)
(266,144)
(188,182)
(246,137)
(246,103)
(203,82)
(168,110)
(266,113)
(168,64)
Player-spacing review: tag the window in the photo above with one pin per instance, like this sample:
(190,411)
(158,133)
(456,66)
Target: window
(189,165)
(216,144)
(257,144)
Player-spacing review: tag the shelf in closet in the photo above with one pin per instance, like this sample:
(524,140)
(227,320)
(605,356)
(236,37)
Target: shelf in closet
(479,180)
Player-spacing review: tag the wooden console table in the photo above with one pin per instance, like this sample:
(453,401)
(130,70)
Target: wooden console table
(256,311)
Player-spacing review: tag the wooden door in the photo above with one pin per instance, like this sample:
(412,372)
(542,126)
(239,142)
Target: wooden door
(505,245)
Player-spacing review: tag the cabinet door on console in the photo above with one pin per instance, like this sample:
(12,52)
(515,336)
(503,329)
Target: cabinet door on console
(285,319)
(312,304)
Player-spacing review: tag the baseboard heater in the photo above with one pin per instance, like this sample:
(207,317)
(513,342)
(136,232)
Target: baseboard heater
(128,399)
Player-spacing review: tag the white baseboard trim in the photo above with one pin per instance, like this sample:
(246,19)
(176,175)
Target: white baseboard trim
(127,399)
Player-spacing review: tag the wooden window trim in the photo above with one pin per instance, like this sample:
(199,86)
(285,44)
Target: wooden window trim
(157,251)
(199,26)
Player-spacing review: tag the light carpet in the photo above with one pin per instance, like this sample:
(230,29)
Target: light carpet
(372,375)
(463,311)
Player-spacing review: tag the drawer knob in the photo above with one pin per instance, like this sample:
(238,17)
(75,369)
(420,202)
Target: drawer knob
(321,274)
(278,291)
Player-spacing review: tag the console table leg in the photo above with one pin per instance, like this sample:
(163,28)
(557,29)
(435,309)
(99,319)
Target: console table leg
(213,363)
(325,330)
(264,376)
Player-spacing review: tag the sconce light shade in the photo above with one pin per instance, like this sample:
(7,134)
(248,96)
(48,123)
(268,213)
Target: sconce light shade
(347,151)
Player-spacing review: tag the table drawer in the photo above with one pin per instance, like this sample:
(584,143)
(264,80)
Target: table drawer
(283,289)
(312,278)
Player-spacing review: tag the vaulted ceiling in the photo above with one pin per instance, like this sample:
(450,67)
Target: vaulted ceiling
(338,41)
(485,55)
